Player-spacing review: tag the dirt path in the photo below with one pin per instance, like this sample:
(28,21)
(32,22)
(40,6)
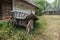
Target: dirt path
(53,26)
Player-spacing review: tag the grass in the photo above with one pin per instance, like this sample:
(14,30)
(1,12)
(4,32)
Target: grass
(53,26)
(18,33)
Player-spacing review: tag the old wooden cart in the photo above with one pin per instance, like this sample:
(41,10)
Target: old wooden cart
(22,19)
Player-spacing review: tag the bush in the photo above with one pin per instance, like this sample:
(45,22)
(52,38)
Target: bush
(40,26)
(39,12)
(17,33)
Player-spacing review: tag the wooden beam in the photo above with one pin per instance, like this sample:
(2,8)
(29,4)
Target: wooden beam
(13,4)
(0,9)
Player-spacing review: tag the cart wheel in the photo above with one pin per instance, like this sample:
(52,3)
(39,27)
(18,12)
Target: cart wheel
(29,26)
(11,22)
(27,30)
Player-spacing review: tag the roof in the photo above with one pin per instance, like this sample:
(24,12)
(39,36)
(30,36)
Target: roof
(30,3)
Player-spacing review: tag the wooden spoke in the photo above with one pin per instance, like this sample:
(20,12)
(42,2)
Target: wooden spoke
(11,22)
(29,26)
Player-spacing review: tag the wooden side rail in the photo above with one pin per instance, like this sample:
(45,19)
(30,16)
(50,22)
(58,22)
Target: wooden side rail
(19,14)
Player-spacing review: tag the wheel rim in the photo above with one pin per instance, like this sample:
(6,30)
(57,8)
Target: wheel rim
(11,22)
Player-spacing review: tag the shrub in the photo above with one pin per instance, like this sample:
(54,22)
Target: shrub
(17,33)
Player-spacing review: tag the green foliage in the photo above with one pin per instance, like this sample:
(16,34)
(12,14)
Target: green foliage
(41,23)
(55,3)
(42,4)
(18,33)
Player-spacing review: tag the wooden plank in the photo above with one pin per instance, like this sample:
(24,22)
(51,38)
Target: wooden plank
(22,23)
(0,10)
(6,7)
(19,15)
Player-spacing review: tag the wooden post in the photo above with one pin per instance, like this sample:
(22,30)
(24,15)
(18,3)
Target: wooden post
(13,4)
(0,9)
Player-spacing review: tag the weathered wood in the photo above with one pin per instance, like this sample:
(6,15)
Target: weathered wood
(6,5)
(23,7)
(32,16)
(23,13)
(32,23)
(20,15)
(22,23)
(29,26)
(0,10)
(30,2)
(11,22)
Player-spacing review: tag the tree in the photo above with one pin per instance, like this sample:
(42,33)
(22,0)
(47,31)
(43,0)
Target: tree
(42,4)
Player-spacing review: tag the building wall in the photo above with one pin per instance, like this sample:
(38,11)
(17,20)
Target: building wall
(6,7)
(0,10)
(23,7)
(17,6)
(52,12)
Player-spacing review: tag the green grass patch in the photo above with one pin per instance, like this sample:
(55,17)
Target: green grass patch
(16,33)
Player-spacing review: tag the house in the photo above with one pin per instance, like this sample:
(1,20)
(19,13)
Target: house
(53,9)
(25,6)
